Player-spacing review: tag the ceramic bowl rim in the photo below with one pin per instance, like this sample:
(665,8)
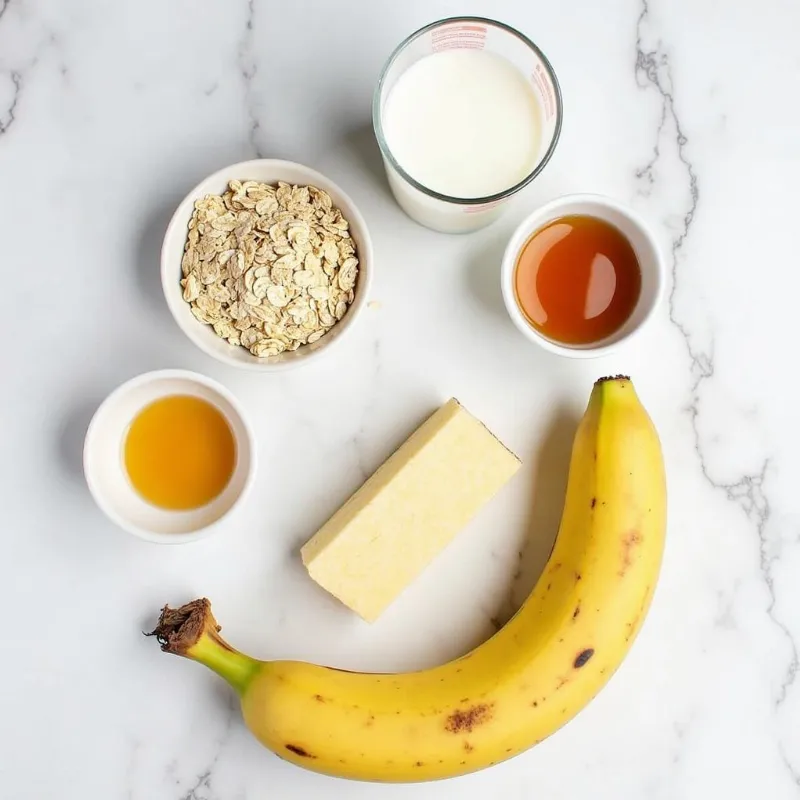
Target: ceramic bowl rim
(170,268)
(100,497)
(547,213)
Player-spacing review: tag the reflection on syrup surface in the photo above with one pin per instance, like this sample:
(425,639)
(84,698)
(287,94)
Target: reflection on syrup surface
(577,280)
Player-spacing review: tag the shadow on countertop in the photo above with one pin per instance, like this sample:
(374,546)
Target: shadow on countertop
(549,490)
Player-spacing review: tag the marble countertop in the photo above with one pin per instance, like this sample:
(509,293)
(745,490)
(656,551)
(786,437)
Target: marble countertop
(110,112)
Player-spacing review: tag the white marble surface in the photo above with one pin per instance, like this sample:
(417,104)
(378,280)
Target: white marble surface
(109,112)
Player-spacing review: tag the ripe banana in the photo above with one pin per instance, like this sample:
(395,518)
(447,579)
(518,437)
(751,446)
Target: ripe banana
(508,694)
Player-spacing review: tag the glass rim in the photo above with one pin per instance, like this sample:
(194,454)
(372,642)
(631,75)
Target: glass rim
(377,124)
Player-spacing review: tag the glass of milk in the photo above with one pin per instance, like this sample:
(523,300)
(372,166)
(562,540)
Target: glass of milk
(467,112)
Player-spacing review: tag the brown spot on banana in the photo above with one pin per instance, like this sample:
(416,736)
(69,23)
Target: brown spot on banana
(299,751)
(630,541)
(631,627)
(468,719)
(593,503)
(419,764)
(577,611)
(583,657)
(319,698)
(468,747)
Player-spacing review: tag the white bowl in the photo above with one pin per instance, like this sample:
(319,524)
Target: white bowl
(267,171)
(105,471)
(648,254)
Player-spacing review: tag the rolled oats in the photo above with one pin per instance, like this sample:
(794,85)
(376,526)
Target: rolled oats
(271,268)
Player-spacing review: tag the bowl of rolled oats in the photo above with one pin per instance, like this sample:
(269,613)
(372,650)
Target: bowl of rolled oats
(266,265)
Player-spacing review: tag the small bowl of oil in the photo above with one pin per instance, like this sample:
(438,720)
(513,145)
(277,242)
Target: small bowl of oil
(168,454)
(582,275)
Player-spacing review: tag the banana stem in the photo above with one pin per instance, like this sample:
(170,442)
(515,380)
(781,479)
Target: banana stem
(192,632)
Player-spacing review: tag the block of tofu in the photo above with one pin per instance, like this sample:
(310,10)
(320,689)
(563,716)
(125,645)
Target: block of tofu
(382,538)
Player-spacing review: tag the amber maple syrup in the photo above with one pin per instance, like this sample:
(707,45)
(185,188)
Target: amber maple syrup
(179,452)
(577,280)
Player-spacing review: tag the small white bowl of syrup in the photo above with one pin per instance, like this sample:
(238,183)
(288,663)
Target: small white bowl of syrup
(582,275)
(168,454)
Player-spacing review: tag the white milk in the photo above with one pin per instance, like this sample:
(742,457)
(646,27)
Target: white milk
(464,123)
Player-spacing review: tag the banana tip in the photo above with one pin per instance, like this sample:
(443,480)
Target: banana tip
(609,378)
